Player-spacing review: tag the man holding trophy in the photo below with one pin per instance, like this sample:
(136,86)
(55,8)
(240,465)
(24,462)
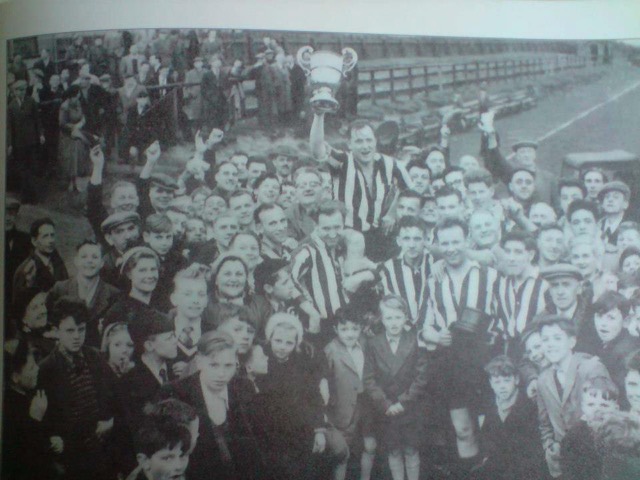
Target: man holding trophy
(366,181)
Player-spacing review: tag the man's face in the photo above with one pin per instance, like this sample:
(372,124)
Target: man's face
(268,191)
(609,324)
(85,82)
(45,242)
(88,260)
(287,195)
(224,229)
(71,335)
(227,177)
(614,202)
(430,212)
(240,161)
(329,228)
(455,180)
(189,297)
(242,208)
(363,144)
(178,222)
(274,224)
(632,389)
(213,207)
(568,195)
(408,207)
(411,242)
(284,165)
(583,223)
(159,242)
(522,186)
(450,207)
(125,199)
(160,197)
(283,289)
(44,54)
(247,248)
(583,257)
(479,194)
(421,179)
(526,157)
(54,82)
(541,214)
(504,388)
(483,230)
(308,189)
(467,162)
(564,292)
(557,344)
(166,464)
(551,245)
(348,333)
(452,242)
(195,231)
(534,350)
(254,171)
(517,258)
(123,236)
(436,163)
(593,181)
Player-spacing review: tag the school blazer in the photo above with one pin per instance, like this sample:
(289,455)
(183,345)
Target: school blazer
(558,414)
(344,383)
(390,378)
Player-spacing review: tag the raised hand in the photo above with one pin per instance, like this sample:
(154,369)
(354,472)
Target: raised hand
(152,153)
(215,136)
(38,406)
(319,442)
(96,155)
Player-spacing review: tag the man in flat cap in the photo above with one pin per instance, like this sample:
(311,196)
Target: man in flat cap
(614,198)
(121,231)
(284,160)
(159,194)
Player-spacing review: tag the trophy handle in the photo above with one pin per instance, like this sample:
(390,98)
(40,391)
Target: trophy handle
(304,58)
(349,58)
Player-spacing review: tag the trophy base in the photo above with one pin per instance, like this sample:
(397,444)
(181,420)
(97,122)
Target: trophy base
(323,101)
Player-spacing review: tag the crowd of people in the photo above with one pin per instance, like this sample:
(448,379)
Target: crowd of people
(364,316)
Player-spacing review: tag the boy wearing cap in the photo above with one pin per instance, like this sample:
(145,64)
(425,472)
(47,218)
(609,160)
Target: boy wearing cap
(121,231)
(614,198)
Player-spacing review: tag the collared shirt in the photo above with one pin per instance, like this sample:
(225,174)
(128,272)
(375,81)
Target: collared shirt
(505,407)
(156,370)
(394,343)
(568,313)
(45,260)
(217,403)
(357,355)
(271,250)
(87,289)
(195,332)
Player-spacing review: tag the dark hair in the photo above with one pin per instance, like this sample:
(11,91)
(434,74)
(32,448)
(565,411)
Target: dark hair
(34,230)
(453,169)
(248,233)
(71,92)
(215,341)
(67,307)
(156,433)
(626,253)
(582,205)
(547,227)
(180,412)
(263,177)
(478,175)
(22,299)
(327,208)
(16,356)
(90,242)
(447,191)
(549,320)
(411,222)
(518,170)
(239,153)
(158,223)
(450,222)
(408,193)
(420,163)
(219,166)
(264,208)
(572,183)
(519,236)
(256,159)
(434,148)
(610,300)
(349,314)
(359,124)
(238,193)
(501,366)
(632,362)
(584,172)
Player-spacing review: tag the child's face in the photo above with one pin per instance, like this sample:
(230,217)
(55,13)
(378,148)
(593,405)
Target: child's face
(557,344)
(393,320)
(218,369)
(411,241)
(241,332)
(120,348)
(632,389)
(165,345)
(609,324)
(504,387)
(631,264)
(160,243)
(283,288)
(259,361)
(195,231)
(348,333)
(35,317)
(144,276)
(593,402)
(166,464)
(190,297)
(88,260)
(27,378)
(628,238)
(535,350)
(283,342)
(71,335)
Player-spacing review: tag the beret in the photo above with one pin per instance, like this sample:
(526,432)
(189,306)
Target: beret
(614,186)
(165,181)
(524,144)
(151,323)
(117,219)
(560,270)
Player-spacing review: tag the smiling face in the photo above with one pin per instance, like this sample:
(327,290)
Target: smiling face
(273,225)
(231,279)
(224,229)
(504,388)
(283,342)
(268,192)
(242,208)
(535,351)
(246,247)
(71,335)
(144,276)
(242,333)
(450,206)
(564,292)
(88,260)
(551,245)
(593,181)
(609,324)
(227,177)
(189,297)
(308,189)
(557,344)
(583,257)
(330,228)
(483,230)
(453,243)
(407,207)
(522,186)
(363,144)
(411,242)
(218,368)
(517,258)
(35,315)
(124,198)
(160,197)
(393,320)
(631,264)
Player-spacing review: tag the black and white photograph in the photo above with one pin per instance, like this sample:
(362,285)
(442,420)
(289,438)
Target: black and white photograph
(293,254)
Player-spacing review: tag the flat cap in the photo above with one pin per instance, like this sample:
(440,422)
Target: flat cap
(523,144)
(615,186)
(164,181)
(151,323)
(116,219)
(560,270)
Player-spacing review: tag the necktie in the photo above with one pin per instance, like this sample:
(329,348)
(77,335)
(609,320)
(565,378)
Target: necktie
(163,376)
(185,338)
(558,384)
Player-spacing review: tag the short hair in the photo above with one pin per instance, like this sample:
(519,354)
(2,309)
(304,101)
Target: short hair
(22,299)
(408,193)
(158,223)
(287,321)
(67,307)
(610,300)
(110,332)
(248,233)
(628,252)
(263,177)
(180,412)
(411,222)
(448,223)
(328,208)
(478,175)
(256,159)
(629,225)
(602,385)
(584,173)
(632,362)
(349,314)
(453,169)
(219,166)
(90,242)
(239,193)
(550,320)
(155,434)
(120,184)
(264,208)
(302,170)
(501,366)
(447,191)
(214,342)
(577,205)
(434,148)
(521,169)
(519,236)
(194,271)
(141,254)
(572,183)
(420,163)
(215,221)
(229,311)
(206,191)
(238,153)
(359,124)
(395,302)
(547,227)
(36,225)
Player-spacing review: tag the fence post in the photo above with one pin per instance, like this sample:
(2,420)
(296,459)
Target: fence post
(426,79)
(372,79)
(249,48)
(410,82)
(392,85)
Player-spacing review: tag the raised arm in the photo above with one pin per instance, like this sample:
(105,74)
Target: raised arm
(316,137)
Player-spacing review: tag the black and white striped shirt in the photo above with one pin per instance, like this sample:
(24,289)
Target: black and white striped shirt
(514,308)
(398,278)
